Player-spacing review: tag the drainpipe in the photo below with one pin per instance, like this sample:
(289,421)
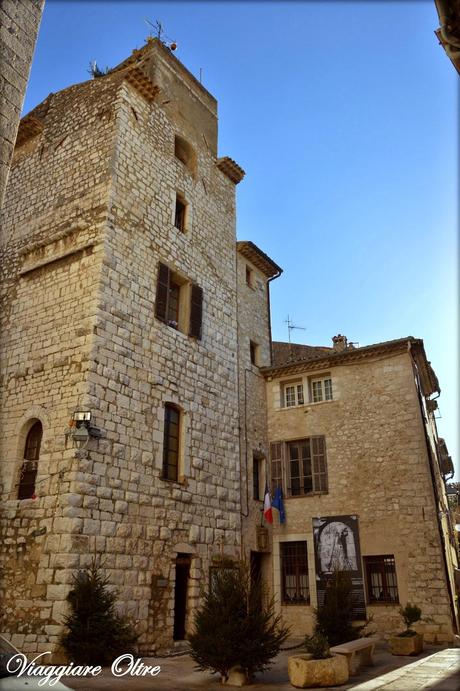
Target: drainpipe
(269,313)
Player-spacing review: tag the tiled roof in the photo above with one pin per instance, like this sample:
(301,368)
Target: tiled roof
(294,355)
(285,353)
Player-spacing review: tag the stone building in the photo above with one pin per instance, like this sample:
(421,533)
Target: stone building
(19,22)
(353,444)
(122,378)
(140,389)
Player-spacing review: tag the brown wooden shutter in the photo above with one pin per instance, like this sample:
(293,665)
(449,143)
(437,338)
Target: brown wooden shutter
(196,311)
(276,465)
(161,302)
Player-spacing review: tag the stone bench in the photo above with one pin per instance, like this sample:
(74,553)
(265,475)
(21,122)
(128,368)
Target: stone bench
(362,648)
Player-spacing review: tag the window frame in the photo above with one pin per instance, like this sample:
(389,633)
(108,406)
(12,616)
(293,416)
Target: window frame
(384,572)
(180,219)
(29,465)
(299,393)
(326,392)
(171,408)
(281,466)
(298,548)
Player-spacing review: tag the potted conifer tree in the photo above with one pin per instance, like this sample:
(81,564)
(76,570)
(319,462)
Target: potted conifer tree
(408,642)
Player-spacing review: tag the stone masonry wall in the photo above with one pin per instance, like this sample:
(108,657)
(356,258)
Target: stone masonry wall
(19,22)
(141,522)
(377,470)
(51,251)
(253,325)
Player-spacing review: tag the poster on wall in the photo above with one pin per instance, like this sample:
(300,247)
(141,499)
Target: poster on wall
(337,549)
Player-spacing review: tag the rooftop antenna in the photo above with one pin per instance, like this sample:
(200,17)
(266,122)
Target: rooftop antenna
(160,34)
(291,325)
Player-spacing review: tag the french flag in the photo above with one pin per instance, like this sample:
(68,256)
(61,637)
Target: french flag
(268,515)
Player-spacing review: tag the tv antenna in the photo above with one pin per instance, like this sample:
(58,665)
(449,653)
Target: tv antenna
(160,34)
(291,326)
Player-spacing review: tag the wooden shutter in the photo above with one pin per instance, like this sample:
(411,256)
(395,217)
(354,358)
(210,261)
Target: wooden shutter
(196,311)
(161,302)
(319,467)
(276,465)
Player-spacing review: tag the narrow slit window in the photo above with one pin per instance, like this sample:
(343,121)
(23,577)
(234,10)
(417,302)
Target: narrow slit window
(171,443)
(180,214)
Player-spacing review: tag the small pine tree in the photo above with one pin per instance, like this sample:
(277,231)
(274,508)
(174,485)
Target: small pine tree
(334,618)
(318,646)
(95,634)
(236,626)
(410,614)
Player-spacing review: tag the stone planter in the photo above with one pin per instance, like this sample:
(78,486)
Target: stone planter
(406,645)
(304,672)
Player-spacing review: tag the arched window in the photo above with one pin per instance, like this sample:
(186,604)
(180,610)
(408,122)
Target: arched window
(30,464)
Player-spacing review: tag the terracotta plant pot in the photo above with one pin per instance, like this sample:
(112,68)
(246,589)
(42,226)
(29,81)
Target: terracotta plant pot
(406,645)
(304,672)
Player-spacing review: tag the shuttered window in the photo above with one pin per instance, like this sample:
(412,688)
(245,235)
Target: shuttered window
(178,300)
(29,467)
(302,463)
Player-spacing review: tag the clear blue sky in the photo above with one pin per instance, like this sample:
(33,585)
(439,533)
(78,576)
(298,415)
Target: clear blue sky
(344,116)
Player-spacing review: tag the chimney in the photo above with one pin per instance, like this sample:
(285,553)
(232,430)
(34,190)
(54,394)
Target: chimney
(339,343)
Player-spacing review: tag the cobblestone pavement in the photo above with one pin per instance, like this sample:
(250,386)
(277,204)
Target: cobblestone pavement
(437,670)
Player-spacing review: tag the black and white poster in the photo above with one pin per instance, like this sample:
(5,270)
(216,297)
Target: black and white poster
(337,549)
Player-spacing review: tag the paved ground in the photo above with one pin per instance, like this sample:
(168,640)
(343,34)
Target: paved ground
(437,670)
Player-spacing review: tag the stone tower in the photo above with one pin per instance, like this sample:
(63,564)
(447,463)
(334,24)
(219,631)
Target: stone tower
(120,407)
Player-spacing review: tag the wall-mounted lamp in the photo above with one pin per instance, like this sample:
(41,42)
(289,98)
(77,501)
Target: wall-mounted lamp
(82,430)
(80,416)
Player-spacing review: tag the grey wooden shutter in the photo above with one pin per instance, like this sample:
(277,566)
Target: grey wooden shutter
(161,302)
(196,311)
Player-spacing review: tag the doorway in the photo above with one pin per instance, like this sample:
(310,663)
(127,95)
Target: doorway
(183,562)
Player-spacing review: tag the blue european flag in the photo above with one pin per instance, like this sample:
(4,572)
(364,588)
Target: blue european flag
(277,503)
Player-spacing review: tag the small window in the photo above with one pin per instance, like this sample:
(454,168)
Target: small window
(171,442)
(180,214)
(321,390)
(254,352)
(29,467)
(256,467)
(249,277)
(381,579)
(294,573)
(292,394)
(179,303)
(185,153)
(276,465)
